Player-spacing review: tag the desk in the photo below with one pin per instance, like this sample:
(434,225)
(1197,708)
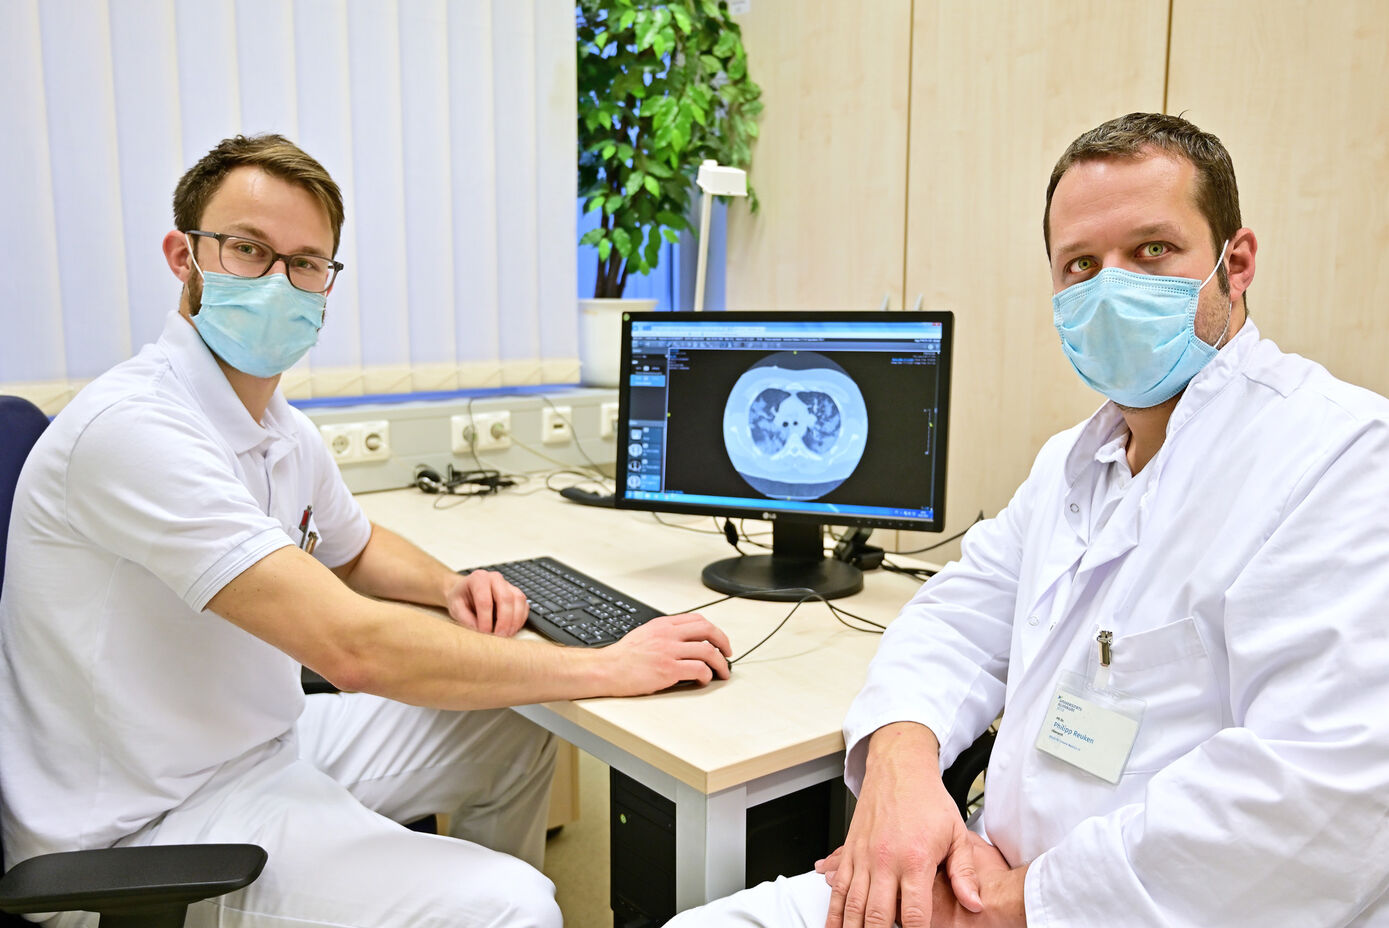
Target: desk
(772,729)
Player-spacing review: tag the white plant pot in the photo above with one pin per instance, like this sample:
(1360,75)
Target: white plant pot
(600,338)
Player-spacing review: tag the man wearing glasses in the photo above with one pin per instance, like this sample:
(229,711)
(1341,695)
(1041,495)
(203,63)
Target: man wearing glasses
(182,541)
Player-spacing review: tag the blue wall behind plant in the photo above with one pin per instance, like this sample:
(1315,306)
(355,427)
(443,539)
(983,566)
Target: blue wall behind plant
(672,282)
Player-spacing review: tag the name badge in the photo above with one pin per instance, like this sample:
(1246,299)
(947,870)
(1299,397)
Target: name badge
(1084,733)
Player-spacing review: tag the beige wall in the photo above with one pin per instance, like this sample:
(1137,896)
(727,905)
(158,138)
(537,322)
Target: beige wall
(996,91)
(1302,102)
(830,166)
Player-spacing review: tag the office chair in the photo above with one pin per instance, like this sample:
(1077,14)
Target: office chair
(149,887)
(960,776)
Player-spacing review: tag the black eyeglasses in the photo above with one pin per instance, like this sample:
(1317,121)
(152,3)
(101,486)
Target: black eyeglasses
(246,257)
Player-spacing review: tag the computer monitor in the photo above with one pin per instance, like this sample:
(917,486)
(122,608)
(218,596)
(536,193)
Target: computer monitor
(800,418)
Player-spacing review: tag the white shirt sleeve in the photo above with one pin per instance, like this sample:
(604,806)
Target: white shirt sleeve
(1280,817)
(146,482)
(343,528)
(944,661)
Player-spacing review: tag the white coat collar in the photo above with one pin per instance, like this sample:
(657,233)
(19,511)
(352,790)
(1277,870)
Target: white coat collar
(194,363)
(1209,381)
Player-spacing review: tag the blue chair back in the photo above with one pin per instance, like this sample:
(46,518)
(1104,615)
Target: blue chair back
(21,424)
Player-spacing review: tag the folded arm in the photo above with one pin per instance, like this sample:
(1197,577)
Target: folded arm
(389,567)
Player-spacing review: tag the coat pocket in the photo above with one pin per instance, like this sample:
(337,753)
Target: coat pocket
(1169,668)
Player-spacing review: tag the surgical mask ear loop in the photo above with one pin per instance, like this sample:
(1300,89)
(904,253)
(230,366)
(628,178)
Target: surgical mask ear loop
(193,256)
(1229,311)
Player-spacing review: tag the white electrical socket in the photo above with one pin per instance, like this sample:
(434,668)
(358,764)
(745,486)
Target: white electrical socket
(493,432)
(555,425)
(343,441)
(375,440)
(352,442)
(607,420)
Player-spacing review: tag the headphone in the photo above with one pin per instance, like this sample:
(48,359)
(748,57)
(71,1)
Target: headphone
(428,480)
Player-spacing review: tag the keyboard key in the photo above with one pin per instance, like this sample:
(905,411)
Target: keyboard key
(570,607)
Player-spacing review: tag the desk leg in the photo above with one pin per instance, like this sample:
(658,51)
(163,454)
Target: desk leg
(710,844)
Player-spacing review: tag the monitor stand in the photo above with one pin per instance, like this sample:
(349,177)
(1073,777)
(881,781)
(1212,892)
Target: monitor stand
(797,563)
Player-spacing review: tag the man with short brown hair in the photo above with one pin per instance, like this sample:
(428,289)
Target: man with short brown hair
(181,542)
(1181,609)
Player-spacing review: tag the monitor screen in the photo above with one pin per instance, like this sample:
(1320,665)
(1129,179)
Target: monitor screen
(798,418)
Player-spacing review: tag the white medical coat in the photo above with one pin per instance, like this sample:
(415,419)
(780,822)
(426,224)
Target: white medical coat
(1245,576)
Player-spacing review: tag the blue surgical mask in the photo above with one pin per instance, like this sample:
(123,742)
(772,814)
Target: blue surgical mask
(258,325)
(1133,336)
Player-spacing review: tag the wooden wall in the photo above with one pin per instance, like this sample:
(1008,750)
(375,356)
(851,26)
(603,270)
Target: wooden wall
(831,161)
(982,96)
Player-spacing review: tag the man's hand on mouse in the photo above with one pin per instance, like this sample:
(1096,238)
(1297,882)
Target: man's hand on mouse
(668,650)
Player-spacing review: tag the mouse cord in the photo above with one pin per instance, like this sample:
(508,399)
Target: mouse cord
(838,612)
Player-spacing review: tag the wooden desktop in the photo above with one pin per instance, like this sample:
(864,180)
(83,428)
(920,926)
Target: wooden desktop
(771,729)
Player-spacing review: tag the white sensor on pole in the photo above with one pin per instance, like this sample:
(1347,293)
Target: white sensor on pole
(715,180)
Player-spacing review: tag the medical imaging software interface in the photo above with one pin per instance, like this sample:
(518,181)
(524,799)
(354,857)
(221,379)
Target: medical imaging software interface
(818,417)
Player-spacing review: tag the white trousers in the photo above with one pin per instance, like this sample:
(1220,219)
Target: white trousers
(798,902)
(325,805)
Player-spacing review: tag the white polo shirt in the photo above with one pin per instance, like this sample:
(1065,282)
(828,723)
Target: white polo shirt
(119,695)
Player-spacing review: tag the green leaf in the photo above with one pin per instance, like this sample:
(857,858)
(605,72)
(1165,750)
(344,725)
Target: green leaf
(651,185)
(647,34)
(592,237)
(612,203)
(601,39)
(682,19)
(725,45)
(674,220)
(594,203)
(605,248)
(623,240)
(608,151)
(670,235)
(711,64)
(627,19)
(634,181)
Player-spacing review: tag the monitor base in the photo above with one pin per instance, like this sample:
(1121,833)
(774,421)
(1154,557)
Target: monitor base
(781,578)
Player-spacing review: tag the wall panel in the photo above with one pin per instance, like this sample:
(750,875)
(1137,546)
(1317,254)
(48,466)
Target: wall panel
(999,89)
(830,163)
(1298,96)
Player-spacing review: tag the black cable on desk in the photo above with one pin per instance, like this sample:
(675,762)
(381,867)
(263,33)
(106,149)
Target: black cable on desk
(838,612)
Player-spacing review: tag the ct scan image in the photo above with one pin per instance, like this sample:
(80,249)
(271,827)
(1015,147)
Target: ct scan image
(795,425)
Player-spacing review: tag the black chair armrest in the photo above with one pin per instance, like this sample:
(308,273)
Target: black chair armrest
(961,775)
(111,879)
(314,683)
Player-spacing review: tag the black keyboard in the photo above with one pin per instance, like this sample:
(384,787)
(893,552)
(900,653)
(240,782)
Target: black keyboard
(571,607)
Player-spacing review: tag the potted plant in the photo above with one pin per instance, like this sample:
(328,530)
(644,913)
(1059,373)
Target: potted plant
(663,85)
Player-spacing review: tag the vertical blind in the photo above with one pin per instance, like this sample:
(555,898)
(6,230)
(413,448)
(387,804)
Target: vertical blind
(449,125)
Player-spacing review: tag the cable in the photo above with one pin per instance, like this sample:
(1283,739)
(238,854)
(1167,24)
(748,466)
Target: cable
(584,476)
(836,611)
(690,528)
(749,539)
(597,473)
(916,573)
(945,541)
(574,432)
